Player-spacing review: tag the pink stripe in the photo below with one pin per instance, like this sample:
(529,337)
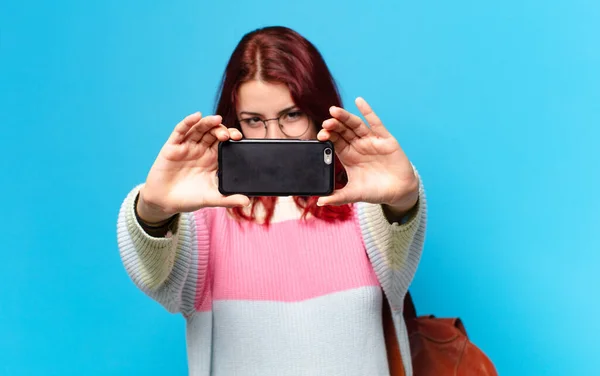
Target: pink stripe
(290,261)
(203,298)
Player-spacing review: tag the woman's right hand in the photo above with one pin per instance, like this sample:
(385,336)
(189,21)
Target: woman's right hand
(183,176)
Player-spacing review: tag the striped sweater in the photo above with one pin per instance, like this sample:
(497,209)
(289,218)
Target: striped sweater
(300,297)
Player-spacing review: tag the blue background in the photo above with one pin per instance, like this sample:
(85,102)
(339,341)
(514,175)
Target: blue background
(497,103)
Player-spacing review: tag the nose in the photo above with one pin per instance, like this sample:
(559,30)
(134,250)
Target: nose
(273,130)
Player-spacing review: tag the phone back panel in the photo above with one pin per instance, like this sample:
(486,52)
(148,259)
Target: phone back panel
(276,168)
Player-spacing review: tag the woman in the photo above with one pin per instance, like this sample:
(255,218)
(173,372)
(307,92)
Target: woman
(279,286)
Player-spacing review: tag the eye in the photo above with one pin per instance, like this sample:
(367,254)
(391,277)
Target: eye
(293,116)
(253,122)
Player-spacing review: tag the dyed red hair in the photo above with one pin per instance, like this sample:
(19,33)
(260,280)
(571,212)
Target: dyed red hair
(280,55)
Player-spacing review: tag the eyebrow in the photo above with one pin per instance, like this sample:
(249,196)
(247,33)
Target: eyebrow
(259,114)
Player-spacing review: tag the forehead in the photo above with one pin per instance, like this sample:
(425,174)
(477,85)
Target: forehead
(263,97)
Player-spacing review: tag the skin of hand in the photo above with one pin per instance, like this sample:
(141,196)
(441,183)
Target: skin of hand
(182,178)
(378,170)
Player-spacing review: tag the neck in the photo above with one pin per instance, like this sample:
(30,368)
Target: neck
(285,209)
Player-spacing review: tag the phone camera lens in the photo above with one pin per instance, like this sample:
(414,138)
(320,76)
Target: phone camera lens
(328,151)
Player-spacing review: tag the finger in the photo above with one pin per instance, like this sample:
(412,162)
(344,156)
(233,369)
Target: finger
(350,120)
(373,120)
(337,126)
(183,127)
(339,143)
(198,130)
(235,134)
(218,133)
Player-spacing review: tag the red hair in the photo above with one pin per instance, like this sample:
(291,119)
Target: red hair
(280,55)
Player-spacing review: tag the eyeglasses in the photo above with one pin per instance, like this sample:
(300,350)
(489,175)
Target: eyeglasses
(292,124)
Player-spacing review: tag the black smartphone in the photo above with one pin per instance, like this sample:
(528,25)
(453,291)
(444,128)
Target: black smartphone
(270,167)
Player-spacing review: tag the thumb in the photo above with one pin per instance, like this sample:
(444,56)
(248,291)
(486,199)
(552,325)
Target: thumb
(339,197)
(234,201)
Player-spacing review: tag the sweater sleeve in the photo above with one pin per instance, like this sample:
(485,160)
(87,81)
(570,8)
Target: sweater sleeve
(394,249)
(167,269)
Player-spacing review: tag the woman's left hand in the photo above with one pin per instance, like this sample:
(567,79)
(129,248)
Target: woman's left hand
(378,170)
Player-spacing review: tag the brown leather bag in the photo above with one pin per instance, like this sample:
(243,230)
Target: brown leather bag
(439,346)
